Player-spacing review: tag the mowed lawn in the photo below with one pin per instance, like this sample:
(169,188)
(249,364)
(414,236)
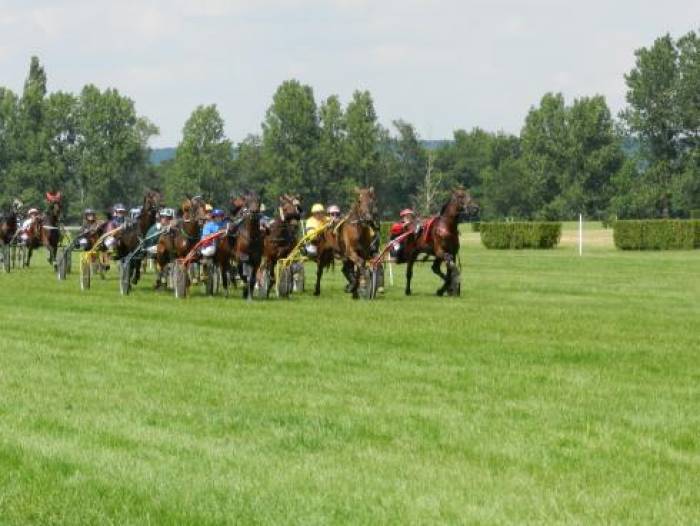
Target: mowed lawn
(556,389)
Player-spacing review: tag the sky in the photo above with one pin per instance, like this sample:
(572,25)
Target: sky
(441,65)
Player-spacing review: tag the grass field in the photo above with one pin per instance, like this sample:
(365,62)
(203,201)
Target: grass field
(557,389)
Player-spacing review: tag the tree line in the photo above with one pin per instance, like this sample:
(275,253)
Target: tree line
(569,158)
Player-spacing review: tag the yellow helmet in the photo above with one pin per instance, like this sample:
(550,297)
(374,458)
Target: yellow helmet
(318,207)
(208,207)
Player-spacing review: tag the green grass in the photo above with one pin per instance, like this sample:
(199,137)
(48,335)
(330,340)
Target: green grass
(557,389)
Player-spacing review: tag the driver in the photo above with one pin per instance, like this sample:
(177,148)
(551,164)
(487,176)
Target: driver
(316,220)
(212,226)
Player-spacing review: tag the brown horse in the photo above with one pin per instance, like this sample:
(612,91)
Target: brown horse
(8,227)
(129,237)
(45,231)
(181,237)
(355,236)
(440,238)
(281,235)
(248,246)
(225,245)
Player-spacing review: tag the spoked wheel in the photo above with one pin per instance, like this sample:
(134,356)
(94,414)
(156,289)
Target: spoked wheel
(455,288)
(85,269)
(364,289)
(263,283)
(180,280)
(6,263)
(213,278)
(285,283)
(61,255)
(376,280)
(124,281)
(298,279)
(22,253)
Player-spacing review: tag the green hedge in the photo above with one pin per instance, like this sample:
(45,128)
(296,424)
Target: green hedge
(520,235)
(657,234)
(695,214)
(476,226)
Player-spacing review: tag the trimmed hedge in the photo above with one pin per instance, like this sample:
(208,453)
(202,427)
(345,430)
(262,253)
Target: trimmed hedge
(657,234)
(520,235)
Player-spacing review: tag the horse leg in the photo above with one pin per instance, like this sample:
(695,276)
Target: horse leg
(409,273)
(348,272)
(319,274)
(436,269)
(243,279)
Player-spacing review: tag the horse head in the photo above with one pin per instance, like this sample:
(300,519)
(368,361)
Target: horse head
(151,202)
(53,212)
(237,203)
(365,207)
(252,202)
(290,207)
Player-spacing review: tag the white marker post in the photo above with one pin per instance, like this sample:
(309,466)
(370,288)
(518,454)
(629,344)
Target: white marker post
(580,234)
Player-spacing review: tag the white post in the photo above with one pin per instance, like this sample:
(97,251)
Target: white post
(580,234)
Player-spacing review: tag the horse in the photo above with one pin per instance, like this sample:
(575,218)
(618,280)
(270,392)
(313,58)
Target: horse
(281,235)
(440,238)
(133,232)
(8,227)
(181,237)
(226,244)
(355,236)
(45,230)
(248,245)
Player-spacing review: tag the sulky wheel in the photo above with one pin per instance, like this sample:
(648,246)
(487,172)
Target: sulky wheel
(61,263)
(211,285)
(285,284)
(124,274)
(298,277)
(180,280)
(85,268)
(455,283)
(6,262)
(263,287)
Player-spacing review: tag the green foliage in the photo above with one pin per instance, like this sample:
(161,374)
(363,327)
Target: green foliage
(695,214)
(664,113)
(363,139)
(520,235)
(663,234)
(203,159)
(290,141)
(476,226)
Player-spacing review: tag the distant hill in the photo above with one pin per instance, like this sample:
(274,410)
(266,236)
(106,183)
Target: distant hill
(159,155)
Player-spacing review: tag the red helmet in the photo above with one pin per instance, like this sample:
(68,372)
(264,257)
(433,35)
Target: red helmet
(407,211)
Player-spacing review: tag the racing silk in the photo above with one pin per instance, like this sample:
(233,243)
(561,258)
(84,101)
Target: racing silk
(312,223)
(212,227)
(151,236)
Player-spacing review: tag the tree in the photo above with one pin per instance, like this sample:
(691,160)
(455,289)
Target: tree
(335,179)
(363,140)
(290,140)
(249,170)
(663,112)
(203,160)
(113,147)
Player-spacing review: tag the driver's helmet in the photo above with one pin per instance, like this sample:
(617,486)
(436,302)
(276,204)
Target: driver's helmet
(317,208)
(217,213)
(135,213)
(89,212)
(118,208)
(167,212)
(32,211)
(334,210)
(406,212)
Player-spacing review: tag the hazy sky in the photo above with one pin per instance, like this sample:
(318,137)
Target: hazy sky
(441,65)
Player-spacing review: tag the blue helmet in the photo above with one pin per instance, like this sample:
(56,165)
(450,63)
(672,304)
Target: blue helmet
(217,212)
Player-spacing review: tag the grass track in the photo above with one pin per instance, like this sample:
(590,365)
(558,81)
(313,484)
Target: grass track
(557,389)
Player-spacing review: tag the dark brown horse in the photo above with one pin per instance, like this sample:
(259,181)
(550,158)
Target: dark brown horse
(225,245)
(281,235)
(51,230)
(440,238)
(181,237)
(355,235)
(8,227)
(129,237)
(248,246)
